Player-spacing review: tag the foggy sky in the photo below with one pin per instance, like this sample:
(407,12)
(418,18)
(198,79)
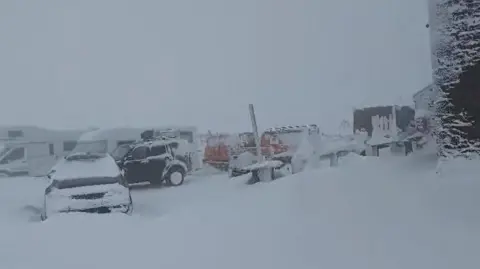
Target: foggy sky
(74,64)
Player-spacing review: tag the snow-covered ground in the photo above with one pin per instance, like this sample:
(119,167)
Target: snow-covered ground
(366,213)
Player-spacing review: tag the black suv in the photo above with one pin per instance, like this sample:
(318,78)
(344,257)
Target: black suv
(154,161)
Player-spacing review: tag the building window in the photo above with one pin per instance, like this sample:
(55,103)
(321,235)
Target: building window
(69,145)
(15,133)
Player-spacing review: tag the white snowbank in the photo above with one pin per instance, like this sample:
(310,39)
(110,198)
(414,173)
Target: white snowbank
(365,214)
(341,144)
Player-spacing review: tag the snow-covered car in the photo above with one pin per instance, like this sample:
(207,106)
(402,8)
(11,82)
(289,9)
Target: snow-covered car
(156,161)
(86,182)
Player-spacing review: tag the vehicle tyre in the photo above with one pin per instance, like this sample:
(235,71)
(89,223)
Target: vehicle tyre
(175,176)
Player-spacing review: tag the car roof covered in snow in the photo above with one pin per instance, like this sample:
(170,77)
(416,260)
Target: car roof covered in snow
(95,166)
(159,142)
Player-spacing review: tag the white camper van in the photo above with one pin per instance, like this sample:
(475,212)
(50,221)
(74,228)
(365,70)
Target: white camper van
(31,150)
(26,158)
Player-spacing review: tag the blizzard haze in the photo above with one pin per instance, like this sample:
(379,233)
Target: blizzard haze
(73,64)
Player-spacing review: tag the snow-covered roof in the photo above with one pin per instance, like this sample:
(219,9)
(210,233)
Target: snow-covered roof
(103,166)
(165,141)
(175,128)
(292,128)
(113,133)
(127,133)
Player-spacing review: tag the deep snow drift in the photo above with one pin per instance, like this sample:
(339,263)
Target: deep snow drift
(366,213)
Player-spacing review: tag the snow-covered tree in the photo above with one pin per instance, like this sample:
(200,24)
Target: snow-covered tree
(455,29)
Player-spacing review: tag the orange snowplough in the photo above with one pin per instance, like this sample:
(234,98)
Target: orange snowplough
(221,148)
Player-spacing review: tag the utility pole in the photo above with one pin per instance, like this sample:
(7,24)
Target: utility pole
(255,133)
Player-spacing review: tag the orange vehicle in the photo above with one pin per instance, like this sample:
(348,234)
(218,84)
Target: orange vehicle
(216,151)
(274,142)
(286,139)
(220,147)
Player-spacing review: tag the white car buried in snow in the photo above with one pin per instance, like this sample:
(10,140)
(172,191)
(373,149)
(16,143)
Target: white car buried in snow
(89,183)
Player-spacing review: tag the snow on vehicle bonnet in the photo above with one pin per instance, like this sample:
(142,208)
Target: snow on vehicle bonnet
(85,165)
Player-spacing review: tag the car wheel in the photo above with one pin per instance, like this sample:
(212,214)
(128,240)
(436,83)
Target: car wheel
(175,176)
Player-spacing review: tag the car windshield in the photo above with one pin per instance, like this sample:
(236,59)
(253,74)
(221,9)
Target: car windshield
(120,152)
(99,146)
(82,182)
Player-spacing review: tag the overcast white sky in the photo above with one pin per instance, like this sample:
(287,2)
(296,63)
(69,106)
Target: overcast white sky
(69,64)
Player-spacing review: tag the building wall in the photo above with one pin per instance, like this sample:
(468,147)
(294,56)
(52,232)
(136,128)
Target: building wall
(362,118)
(424,99)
